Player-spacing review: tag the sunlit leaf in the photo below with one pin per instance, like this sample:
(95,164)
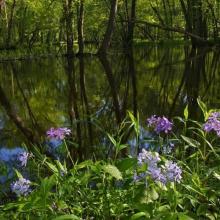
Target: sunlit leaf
(113,171)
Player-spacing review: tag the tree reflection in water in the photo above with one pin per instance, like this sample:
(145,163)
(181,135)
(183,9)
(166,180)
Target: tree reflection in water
(83,91)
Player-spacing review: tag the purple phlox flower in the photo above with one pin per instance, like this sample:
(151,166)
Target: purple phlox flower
(148,157)
(214,115)
(213,123)
(160,124)
(151,159)
(156,174)
(152,121)
(167,149)
(23,158)
(58,133)
(14,157)
(21,187)
(172,171)
(138,177)
(163,125)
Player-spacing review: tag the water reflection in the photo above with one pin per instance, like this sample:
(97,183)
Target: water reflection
(92,94)
(118,109)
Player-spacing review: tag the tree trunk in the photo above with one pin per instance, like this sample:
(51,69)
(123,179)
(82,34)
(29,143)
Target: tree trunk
(188,22)
(68,16)
(2,5)
(80,27)
(195,20)
(214,19)
(10,24)
(198,21)
(108,34)
(21,26)
(131,23)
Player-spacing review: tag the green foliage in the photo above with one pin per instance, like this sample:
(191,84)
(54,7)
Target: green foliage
(113,171)
(107,190)
(32,23)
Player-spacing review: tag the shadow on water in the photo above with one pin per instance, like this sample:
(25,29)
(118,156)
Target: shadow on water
(92,95)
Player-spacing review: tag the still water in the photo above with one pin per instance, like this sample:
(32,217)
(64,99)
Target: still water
(93,94)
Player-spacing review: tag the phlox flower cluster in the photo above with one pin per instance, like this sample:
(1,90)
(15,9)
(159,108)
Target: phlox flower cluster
(173,172)
(23,158)
(159,124)
(213,123)
(58,133)
(168,148)
(21,187)
(170,172)
(14,157)
(11,159)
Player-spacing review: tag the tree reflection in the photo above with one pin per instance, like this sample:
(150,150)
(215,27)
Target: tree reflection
(73,106)
(27,132)
(194,70)
(32,117)
(151,80)
(112,84)
(85,98)
(132,74)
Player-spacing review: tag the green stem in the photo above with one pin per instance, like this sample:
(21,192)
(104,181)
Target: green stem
(68,153)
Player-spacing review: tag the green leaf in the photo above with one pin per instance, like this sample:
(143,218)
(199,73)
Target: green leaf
(52,167)
(191,141)
(203,107)
(164,208)
(179,119)
(59,165)
(67,217)
(191,189)
(46,185)
(182,216)
(186,112)
(112,140)
(210,216)
(201,210)
(216,175)
(121,147)
(126,164)
(19,175)
(62,205)
(153,195)
(135,122)
(84,164)
(131,116)
(113,171)
(138,215)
